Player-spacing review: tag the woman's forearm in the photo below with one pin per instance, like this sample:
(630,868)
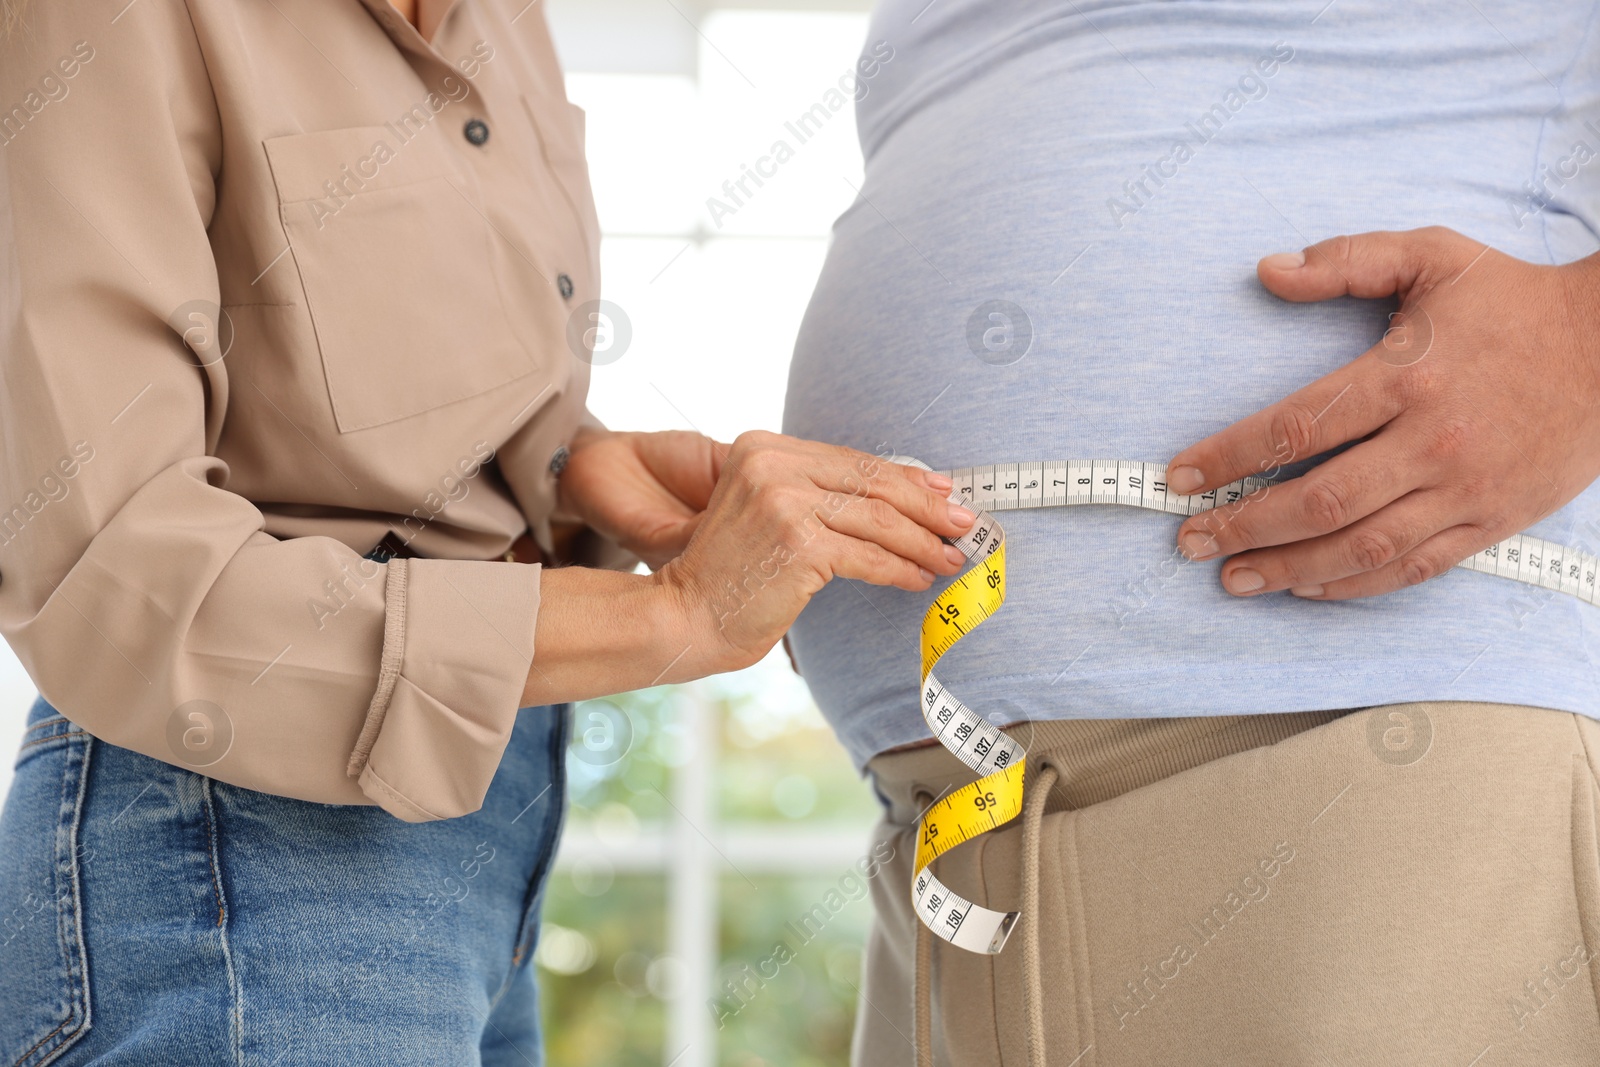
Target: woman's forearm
(601,632)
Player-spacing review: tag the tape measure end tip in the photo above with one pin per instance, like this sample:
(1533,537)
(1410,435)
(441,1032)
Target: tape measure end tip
(1003,934)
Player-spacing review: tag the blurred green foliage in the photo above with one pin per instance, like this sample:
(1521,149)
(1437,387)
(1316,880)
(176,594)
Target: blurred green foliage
(804,1016)
(604,1014)
(779,761)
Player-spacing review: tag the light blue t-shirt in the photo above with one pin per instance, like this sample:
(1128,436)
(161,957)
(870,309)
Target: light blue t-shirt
(1115,170)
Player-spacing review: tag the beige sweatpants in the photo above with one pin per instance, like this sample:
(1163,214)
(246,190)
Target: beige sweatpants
(1409,884)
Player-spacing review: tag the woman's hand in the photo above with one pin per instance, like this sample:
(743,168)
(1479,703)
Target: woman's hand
(1476,416)
(786,516)
(790,515)
(645,491)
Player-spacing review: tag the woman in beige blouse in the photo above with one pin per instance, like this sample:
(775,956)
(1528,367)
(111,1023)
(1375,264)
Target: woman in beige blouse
(296,303)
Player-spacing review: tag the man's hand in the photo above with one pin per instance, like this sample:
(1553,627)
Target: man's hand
(1476,416)
(645,491)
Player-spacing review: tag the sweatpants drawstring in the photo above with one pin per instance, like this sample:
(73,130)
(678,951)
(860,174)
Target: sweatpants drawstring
(922,978)
(924,994)
(1033,992)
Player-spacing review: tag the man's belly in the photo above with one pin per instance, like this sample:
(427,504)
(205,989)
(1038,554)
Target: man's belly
(1130,324)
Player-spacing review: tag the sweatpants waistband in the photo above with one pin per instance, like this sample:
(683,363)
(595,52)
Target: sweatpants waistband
(1095,759)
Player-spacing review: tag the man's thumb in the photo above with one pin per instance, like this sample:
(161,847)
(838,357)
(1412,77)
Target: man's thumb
(1381,263)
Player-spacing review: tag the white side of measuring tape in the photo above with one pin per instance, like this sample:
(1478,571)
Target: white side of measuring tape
(1064,483)
(981,746)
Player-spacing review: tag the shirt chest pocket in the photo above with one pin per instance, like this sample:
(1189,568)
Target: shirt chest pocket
(396,264)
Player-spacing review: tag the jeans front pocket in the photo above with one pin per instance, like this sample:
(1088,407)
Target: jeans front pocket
(44,981)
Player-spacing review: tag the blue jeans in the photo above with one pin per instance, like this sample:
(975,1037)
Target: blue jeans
(151,915)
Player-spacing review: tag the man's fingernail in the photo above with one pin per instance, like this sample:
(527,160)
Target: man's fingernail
(953,554)
(938,481)
(1306,590)
(1197,545)
(1285,260)
(927,575)
(1183,479)
(961,516)
(1245,580)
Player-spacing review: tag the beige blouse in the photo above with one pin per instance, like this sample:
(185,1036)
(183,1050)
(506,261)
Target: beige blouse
(278,279)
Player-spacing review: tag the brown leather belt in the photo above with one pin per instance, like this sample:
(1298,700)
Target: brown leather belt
(525,550)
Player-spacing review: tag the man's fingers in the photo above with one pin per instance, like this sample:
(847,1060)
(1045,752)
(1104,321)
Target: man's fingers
(1359,397)
(1431,558)
(1330,497)
(1370,545)
(1374,264)
(1342,406)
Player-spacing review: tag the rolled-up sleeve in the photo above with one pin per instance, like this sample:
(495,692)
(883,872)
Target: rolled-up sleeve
(418,705)
(143,596)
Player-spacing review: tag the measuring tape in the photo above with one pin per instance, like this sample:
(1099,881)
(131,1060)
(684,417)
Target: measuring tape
(1000,761)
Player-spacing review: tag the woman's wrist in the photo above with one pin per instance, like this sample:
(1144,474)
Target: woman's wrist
(602,632)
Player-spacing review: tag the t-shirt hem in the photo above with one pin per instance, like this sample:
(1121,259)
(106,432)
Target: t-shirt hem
(1320,686)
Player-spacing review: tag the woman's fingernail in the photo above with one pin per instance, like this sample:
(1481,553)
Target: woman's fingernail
(953,554)
(1245,580)
(927,575)
(1306,590)
(1285,260)
(1197,545)
(1183,479)
(961,516)
(938,481)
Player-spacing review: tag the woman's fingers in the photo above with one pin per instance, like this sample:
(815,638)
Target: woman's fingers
(922,496)
(903,510)
(874,521)
(865,561)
